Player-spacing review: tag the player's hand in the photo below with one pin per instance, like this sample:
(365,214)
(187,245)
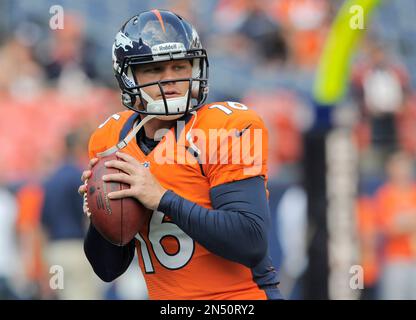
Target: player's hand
(82,190)
(143,185)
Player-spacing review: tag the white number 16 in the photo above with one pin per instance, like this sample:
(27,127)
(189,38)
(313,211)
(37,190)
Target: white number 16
(159,229)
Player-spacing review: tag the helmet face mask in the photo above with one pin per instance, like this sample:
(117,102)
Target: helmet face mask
(159,36)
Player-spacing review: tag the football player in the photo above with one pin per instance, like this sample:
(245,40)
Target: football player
(207,237)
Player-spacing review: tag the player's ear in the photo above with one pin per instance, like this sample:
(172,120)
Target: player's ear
(128,99)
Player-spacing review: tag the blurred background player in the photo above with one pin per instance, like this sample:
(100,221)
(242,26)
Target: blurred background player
(64,223)
(396,212)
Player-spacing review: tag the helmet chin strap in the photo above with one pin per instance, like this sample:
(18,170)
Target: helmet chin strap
(177,104)
(123,143)
(189,134)
(174,105)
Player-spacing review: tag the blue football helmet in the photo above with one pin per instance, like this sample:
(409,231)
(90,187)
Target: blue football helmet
(156,36)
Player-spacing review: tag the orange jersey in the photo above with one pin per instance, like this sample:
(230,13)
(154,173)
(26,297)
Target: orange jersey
(174,265)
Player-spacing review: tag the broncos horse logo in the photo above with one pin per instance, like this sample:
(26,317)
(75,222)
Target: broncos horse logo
(123,41)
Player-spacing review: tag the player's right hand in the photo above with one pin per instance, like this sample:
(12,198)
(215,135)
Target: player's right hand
(82,190)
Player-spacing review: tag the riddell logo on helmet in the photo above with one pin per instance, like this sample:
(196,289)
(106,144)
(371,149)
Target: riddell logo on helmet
(168,47)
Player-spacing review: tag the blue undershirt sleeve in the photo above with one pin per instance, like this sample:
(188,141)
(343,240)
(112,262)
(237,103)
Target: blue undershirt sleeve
(107,260)
(236,227)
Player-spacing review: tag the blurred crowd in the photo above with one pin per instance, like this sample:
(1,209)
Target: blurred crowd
(56,87)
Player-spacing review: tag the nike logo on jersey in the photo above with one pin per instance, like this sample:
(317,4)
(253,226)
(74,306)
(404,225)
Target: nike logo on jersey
(238,134)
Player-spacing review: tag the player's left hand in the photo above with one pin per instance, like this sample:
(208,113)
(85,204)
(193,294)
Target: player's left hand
(143,185)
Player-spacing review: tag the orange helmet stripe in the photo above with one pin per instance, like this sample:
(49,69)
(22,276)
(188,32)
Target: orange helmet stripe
(159,17)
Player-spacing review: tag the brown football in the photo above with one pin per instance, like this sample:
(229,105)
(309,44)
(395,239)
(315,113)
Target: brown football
(117,220)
